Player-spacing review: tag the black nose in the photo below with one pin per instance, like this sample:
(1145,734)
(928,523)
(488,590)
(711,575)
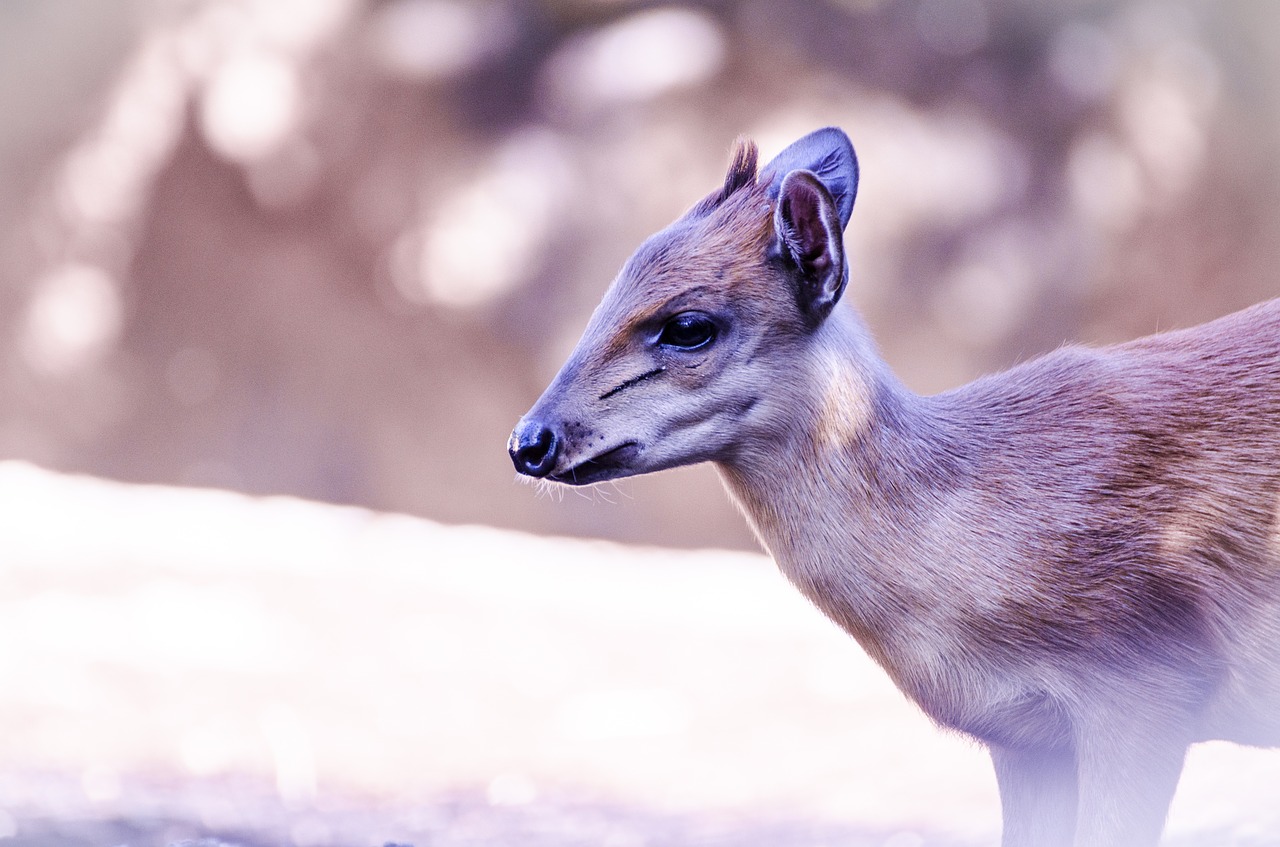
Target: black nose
(534,448)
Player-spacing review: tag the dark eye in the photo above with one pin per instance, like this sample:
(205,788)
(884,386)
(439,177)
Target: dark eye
(688,331)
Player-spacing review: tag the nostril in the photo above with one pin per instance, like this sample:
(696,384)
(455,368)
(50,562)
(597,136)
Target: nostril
(534,448)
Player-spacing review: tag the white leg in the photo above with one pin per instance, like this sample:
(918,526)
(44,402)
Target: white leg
(1129,764)
(1037,796)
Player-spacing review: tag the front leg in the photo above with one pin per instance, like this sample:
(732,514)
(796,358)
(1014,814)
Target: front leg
(1037,796)
(1129,764)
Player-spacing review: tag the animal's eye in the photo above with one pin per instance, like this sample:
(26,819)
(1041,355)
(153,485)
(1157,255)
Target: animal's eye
(688,331)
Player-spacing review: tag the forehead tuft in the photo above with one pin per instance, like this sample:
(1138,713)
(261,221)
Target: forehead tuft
(742,174)
(742,168)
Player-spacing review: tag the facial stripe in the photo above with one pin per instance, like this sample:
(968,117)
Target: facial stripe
(633,381)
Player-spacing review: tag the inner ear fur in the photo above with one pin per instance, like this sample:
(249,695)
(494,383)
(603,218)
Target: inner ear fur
(807,224)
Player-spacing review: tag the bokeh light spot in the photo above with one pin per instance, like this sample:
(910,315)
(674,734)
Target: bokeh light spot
(250,106)
(75,315)
(638,58)
(487,235)
(432,39)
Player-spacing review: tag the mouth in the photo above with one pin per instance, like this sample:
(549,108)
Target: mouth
(610,464)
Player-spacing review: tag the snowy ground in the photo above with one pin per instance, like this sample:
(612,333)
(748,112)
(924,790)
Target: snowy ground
(179,664)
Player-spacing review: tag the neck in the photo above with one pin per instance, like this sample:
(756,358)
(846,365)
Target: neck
(843,495)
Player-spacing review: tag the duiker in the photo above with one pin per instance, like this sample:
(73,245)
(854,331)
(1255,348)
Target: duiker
(1076,562)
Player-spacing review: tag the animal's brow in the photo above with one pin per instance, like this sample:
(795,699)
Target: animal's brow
(674,303)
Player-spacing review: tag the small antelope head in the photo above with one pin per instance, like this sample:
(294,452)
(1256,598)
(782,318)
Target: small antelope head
(690,355)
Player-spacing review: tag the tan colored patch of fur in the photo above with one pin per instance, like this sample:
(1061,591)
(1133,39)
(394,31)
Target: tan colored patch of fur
(718,252)
(732,234)
(1179,537)
(739,230)
(845,409)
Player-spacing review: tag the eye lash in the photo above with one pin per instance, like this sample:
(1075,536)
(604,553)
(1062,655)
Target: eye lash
(633,381)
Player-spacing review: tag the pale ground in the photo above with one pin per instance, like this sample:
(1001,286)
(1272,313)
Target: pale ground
(181,663)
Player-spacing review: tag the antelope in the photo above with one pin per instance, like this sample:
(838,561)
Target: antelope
(1075,562)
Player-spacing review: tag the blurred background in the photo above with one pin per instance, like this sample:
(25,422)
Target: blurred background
(331,250)
(335,248)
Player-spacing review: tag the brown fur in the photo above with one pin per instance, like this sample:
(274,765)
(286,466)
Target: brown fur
(1076,561)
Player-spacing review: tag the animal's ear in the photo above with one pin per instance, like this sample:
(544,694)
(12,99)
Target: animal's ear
(806,222)
(828,154)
